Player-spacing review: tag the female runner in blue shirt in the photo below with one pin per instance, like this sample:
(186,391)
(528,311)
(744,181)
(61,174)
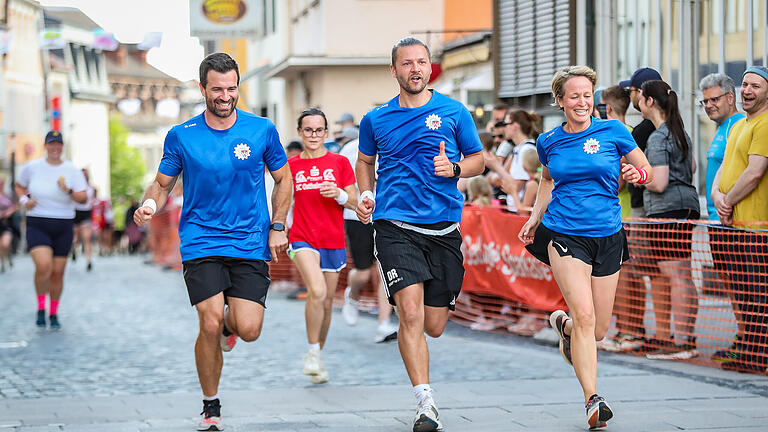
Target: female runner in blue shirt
(575,226)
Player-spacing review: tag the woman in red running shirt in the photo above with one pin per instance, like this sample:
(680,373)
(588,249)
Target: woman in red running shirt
(323,184)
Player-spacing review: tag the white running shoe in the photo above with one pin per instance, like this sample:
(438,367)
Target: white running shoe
(427,418)
(386,331)
(210,418)
(349,311)
(313,364)
(321,377)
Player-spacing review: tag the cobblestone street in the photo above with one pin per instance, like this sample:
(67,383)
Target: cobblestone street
(127,340)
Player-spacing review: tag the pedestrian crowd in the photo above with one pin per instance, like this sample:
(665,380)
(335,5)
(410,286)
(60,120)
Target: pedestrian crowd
(390,191)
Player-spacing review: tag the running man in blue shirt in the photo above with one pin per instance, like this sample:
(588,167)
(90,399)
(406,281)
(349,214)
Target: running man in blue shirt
(419,137)
(719,102)
(575,226)
(225,229)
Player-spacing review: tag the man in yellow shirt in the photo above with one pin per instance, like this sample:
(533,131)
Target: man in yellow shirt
(741,200)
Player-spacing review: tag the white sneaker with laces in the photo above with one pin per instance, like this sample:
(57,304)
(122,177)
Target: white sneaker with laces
(427,418)
(386,331)
(321,377)
(312,362)
(349,311)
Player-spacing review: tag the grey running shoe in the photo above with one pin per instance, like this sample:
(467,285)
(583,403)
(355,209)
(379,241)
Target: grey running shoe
(598,412)
(557,321)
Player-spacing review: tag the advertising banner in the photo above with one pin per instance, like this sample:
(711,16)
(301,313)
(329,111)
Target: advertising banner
(225,19)
(497,263)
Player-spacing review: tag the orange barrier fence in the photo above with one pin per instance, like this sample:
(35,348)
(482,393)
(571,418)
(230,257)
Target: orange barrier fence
(691,291)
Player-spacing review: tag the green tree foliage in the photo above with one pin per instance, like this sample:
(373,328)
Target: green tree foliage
(127,167)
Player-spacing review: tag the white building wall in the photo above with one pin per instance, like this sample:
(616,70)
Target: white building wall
(89,141)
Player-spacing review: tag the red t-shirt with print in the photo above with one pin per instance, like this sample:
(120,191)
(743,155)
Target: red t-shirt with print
(318,220)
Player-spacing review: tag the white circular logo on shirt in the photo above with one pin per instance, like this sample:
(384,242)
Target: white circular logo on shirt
(591,146)
(433,122)
(242,151)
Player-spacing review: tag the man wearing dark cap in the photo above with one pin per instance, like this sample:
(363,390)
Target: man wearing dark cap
(740,194)
(642,131)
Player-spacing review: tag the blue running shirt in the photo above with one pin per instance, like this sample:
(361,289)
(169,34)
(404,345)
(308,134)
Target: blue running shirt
(585,167)
(406,141)
(715,158)
(225,204)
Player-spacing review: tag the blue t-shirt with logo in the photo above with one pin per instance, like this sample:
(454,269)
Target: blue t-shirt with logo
(715,156)
(406,141)
(585,167)
(225,204)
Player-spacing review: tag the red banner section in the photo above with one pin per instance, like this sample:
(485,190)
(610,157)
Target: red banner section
(497,263)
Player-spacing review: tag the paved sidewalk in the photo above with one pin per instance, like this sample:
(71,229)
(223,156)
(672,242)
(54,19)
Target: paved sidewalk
(123,362)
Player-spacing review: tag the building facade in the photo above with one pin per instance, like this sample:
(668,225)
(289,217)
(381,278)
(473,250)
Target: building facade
(333,54)
(77,79)
(22,100)
(683,39)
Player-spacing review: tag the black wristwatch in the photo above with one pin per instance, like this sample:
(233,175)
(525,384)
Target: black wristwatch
(277,226)
(456,170)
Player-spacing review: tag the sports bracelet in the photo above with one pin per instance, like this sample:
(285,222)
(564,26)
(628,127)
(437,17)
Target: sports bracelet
(149,202)
(643,176)
(23,200)
(343,197)
(367,194)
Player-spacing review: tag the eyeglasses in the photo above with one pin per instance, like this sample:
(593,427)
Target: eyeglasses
(308,132)
(713,100)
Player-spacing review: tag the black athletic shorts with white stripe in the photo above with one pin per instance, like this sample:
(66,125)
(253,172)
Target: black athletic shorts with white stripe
(413,253)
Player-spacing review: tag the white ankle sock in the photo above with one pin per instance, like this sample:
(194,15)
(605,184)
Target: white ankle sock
(315,346)
(210,398)
(422,392)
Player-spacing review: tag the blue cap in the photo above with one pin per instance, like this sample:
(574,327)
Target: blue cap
(639,77)
(759,70)
(54,136)
(598,97)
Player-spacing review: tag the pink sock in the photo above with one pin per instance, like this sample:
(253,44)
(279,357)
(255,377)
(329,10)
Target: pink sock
(54,307)
(41,302)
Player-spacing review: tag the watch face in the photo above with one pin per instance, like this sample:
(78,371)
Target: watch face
(277,226)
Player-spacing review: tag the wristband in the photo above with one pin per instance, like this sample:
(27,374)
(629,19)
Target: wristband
(643,176)
(23,200)
(343,197)
(149,202)
(367,194)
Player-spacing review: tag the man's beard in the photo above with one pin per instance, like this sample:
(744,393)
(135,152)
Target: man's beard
(405,84)
(211,105)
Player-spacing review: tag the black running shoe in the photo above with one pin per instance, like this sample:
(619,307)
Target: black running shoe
(54,320)
(89,267)
(40,318)
(210,419)
(598,412)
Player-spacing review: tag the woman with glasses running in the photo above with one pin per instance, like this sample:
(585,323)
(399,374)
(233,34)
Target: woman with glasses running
(324,184)
(575,225)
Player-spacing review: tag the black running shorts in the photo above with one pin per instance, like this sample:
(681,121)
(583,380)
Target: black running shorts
(407,257)
(82,216)
(57,234)
(360,243)
(604,254)
(235,277)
